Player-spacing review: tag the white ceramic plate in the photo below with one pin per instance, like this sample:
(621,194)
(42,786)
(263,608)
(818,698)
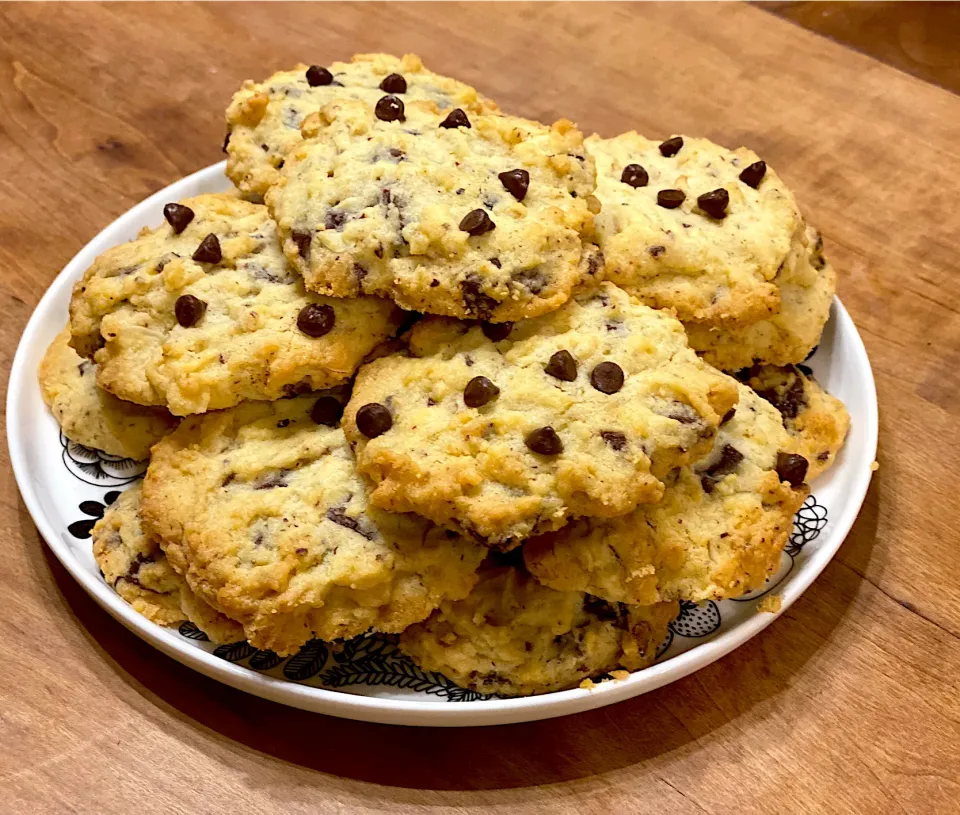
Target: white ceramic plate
(66,487)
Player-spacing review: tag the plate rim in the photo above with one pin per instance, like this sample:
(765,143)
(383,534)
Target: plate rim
(399,711)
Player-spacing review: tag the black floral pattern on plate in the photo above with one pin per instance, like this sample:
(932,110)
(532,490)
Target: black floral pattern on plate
(81,529)
(97,468)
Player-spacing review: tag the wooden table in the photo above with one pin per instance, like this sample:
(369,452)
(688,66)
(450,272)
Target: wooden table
(849,703)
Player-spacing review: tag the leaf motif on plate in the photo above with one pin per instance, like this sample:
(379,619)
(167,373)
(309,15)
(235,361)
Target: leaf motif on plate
(265,660)
(234,651)
(191,632)
(307,662)
(696,620)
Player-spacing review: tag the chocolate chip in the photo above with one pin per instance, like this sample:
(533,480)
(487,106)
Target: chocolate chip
(753,175)
(178,216)
(226,142)
(339,516)
(326,411)
(516,182)
(728,415)
(635,176)
(302,240)
(394,83)
(477,222)
(189,310)
(475,301)
(317,76)
(614,438)
(671,146)
(670,199)
(533,280)
(562,366)
(209,250)
(791,468)
(730,458)
(456,118)
(283,423)
(479,391)
(334,219)
(789,401)
(496,262)
(714,203)
(272,481)
(374,420)
(684,414)
(496,331)
(656,251)
(545,441)
(607,377)
(390,109)
(316,319)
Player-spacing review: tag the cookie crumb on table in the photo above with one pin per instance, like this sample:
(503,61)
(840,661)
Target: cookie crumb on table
(770,604)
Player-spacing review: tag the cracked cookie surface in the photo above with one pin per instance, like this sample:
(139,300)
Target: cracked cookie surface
(481,217)
(807,283)
(204,312)
(507,430)
(816,421)
(515,637)
(90,416)
(682,229)
(133,563)
(717,532)
(264,118)
(262,509)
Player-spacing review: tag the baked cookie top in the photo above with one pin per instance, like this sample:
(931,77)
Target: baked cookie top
(515,637)
(133,563)
(816,421)
(90,416)
(204,312)
(264,118)
(688,225)
(506,430)
(718,531)
(261,508)
(807,283)
(479,216)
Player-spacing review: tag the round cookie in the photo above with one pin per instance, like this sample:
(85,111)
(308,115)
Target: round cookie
(479,220)
(682,229)
(505,431)
(718,531)
(807,283)
(90,416)
(264,118)
(816,421)
(134,564)
(515,637)
(262,510)
(204,312)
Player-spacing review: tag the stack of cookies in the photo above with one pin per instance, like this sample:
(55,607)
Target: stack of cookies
(442,372)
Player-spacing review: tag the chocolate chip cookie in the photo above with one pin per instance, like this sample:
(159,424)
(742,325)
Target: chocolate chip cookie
(90,416)
(688,225)
(506,430)
(718,531)
(816,421)
(264,118)
(261,508)
(204,312)
(472,216)
(807,283)
(134,564)
(515,637)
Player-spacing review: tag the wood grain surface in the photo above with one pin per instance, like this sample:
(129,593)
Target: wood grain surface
(848,703)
